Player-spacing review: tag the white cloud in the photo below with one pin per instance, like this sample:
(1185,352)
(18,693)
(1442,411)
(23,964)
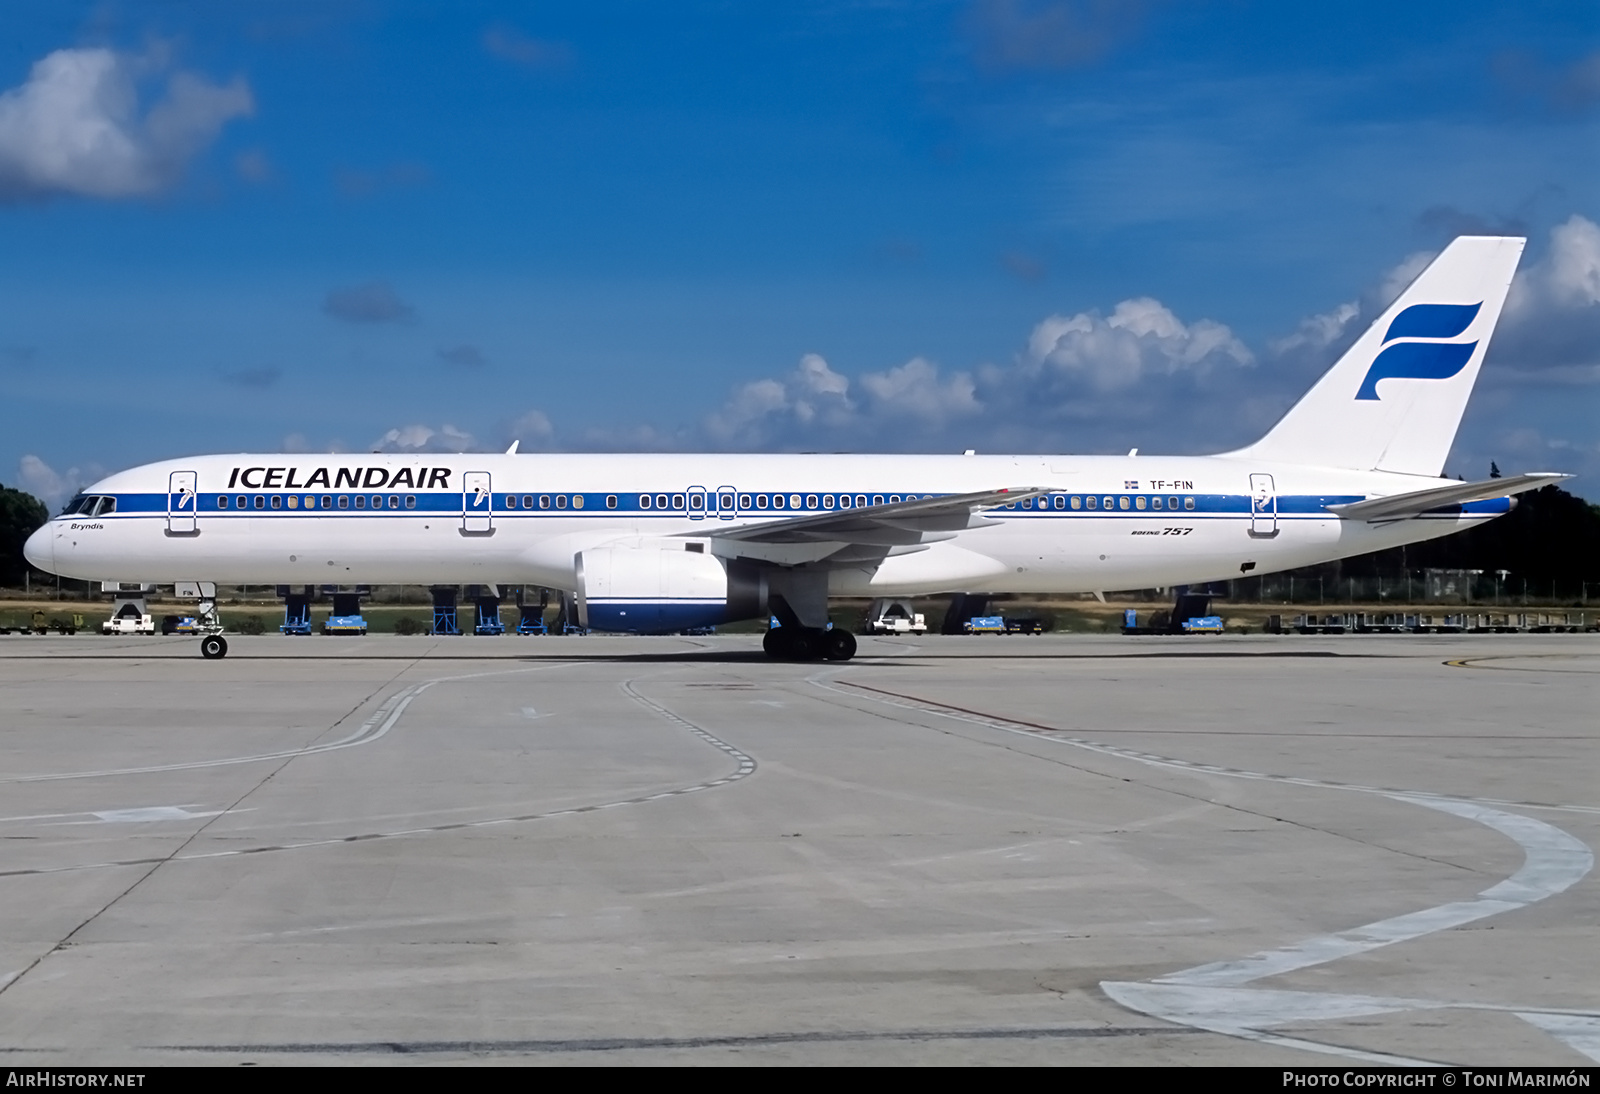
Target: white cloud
(1141,338)
(1398,279)
(915,390)
(76,126)
(1551,328)
(1318,331)
(812,397)
(533,430)
(53,487)
(423,438)
(1571,274)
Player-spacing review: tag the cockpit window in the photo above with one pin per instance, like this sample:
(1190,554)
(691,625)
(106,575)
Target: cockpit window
(107,505)
(75,505)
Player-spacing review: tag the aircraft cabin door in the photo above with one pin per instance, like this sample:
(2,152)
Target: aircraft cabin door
(183,503)
(1263,507)
(477,504)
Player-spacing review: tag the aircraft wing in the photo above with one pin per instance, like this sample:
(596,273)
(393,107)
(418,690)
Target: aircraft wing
(874,530)
(1401,506)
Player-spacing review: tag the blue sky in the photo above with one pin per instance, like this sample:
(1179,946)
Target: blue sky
(1033,225)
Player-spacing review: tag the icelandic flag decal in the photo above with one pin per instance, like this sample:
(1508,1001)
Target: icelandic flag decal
(1130,484)
(1434,359)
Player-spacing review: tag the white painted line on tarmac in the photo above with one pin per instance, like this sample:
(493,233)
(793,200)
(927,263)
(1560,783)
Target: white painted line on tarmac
(1554,862)
(1212,996)
(1577,1031)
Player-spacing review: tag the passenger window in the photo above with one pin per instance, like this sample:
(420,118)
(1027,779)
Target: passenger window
(411,501)
(761,501)
(294,501)
(677,501)
(277,502)
(877,499)
(577,501)
(744,502)
(394,501)
(544,501)
(344,501)
(1172,503)
(861,500)
(611,501)
(1138,503)
(527,501)
(1077,502)
(1188,503)
(1060,501)
(697,501)
(725,501)
(811,501)
(1155,502)
(260,502)
(827,501)
(1122,502)
(239,502)
(1108,503)
(561,501)
(644,501)
(777,501)
(1093,502)
(894,499)
(661,502)
(511,501)
(222,501)
(1011,505)
(361,501)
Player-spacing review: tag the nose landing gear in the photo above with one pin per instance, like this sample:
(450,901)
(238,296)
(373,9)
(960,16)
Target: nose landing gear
(213,647)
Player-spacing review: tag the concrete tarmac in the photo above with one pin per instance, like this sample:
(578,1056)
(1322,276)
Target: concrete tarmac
(1059,850)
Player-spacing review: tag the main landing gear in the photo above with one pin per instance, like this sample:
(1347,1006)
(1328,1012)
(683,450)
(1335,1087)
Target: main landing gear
(809,644)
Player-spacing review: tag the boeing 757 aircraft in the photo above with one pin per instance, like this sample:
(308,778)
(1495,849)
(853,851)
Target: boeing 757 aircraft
(659,543)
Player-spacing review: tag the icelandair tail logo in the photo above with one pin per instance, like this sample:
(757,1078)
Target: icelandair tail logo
(1423,360)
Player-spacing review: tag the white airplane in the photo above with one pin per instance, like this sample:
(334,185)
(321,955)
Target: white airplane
(660,543)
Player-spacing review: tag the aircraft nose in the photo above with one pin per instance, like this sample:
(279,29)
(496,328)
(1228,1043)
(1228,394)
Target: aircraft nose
(40,550)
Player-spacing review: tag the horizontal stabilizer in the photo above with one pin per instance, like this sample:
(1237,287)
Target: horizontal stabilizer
(1401,506)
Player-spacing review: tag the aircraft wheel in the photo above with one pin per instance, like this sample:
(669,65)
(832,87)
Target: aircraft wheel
(806,645)
(213,647)
(839,645)
(776,643)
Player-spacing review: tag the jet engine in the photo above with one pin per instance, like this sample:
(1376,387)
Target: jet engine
(666,586)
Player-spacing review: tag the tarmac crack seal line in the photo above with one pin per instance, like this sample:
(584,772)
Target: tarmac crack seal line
(1213,997)
(746,767)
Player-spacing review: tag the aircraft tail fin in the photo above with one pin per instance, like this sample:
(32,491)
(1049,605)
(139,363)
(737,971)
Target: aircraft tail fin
(1394,400)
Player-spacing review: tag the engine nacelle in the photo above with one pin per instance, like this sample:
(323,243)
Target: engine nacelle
(665,586)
